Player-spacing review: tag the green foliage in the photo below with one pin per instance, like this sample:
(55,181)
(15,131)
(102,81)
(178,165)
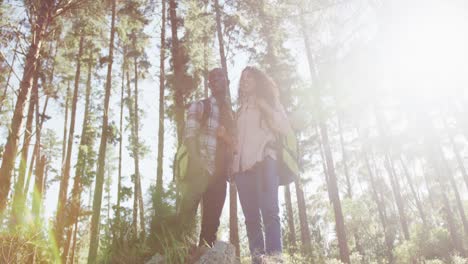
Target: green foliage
(426,243)
(25,243)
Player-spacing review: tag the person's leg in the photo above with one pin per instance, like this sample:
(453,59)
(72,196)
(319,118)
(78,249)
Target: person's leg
(213,202)
(268,197)
(192,189)
(247,189)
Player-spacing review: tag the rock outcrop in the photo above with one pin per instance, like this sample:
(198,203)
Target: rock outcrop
(220,253)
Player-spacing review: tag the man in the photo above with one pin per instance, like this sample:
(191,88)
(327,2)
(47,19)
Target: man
(210,152)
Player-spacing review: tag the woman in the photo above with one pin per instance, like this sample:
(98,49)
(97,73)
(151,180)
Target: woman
(260,119)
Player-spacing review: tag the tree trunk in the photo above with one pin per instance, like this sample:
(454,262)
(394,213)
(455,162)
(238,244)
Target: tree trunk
(413,191)
(375,196)
(66,246)
(38,187)
(36,147)
(72,254)
(290,219)
(453,183)
(134,148)
(349,192)
(302,209)
(94,240)
(221,45)
(178,71)
(439,164)
(381,209)
(458,157)
(31,61)
(81,161)
(233,220)
(388,163)
(65,123)
(19,197)
(40,168)
(7,83)
(333,186)
(119,180)
(451,225)
(162,55)
(132,144)
(62,198)
(137,147)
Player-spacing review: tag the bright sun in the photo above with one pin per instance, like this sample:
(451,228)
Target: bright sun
(428,49)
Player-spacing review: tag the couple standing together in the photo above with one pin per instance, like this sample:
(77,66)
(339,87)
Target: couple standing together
(241,149)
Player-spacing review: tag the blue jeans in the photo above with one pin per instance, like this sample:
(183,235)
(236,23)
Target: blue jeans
(258,195)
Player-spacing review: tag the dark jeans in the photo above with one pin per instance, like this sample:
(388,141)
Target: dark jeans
(258,195)
(211,190)
(212,204)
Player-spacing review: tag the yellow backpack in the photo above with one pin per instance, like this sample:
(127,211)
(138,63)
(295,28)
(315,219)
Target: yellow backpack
(181,158)
(288,158)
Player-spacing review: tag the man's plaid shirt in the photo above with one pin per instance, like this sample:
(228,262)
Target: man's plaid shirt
(207,136)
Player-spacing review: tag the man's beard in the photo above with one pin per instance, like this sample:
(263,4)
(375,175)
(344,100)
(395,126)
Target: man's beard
(220,95)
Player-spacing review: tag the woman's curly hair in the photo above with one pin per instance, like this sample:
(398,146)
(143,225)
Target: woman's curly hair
(265,87)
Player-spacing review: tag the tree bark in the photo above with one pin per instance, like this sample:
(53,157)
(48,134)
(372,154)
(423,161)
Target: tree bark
(414,192)
(451,225)
(81,161)
(119,180)
(375,196)
(447,171)
(349,192)
(439,164)
(132,144)
(38,187)
(73,249)
(162,58)
(302,209)
(36,147)
(233,219)
(458,157)
(178,71)
(137,146)
(333,186)
(388,163)
(290,219)
(65,123)
(19,197)
(40,170)
(221,45)
(7,83)
(95,219)
(32,59)
(62,198)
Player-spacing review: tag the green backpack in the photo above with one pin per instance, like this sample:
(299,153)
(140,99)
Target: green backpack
(288,158)
(181,158)
(286,148)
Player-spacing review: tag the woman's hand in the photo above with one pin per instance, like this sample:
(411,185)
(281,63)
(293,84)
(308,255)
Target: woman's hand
(275,116)
(265,107)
